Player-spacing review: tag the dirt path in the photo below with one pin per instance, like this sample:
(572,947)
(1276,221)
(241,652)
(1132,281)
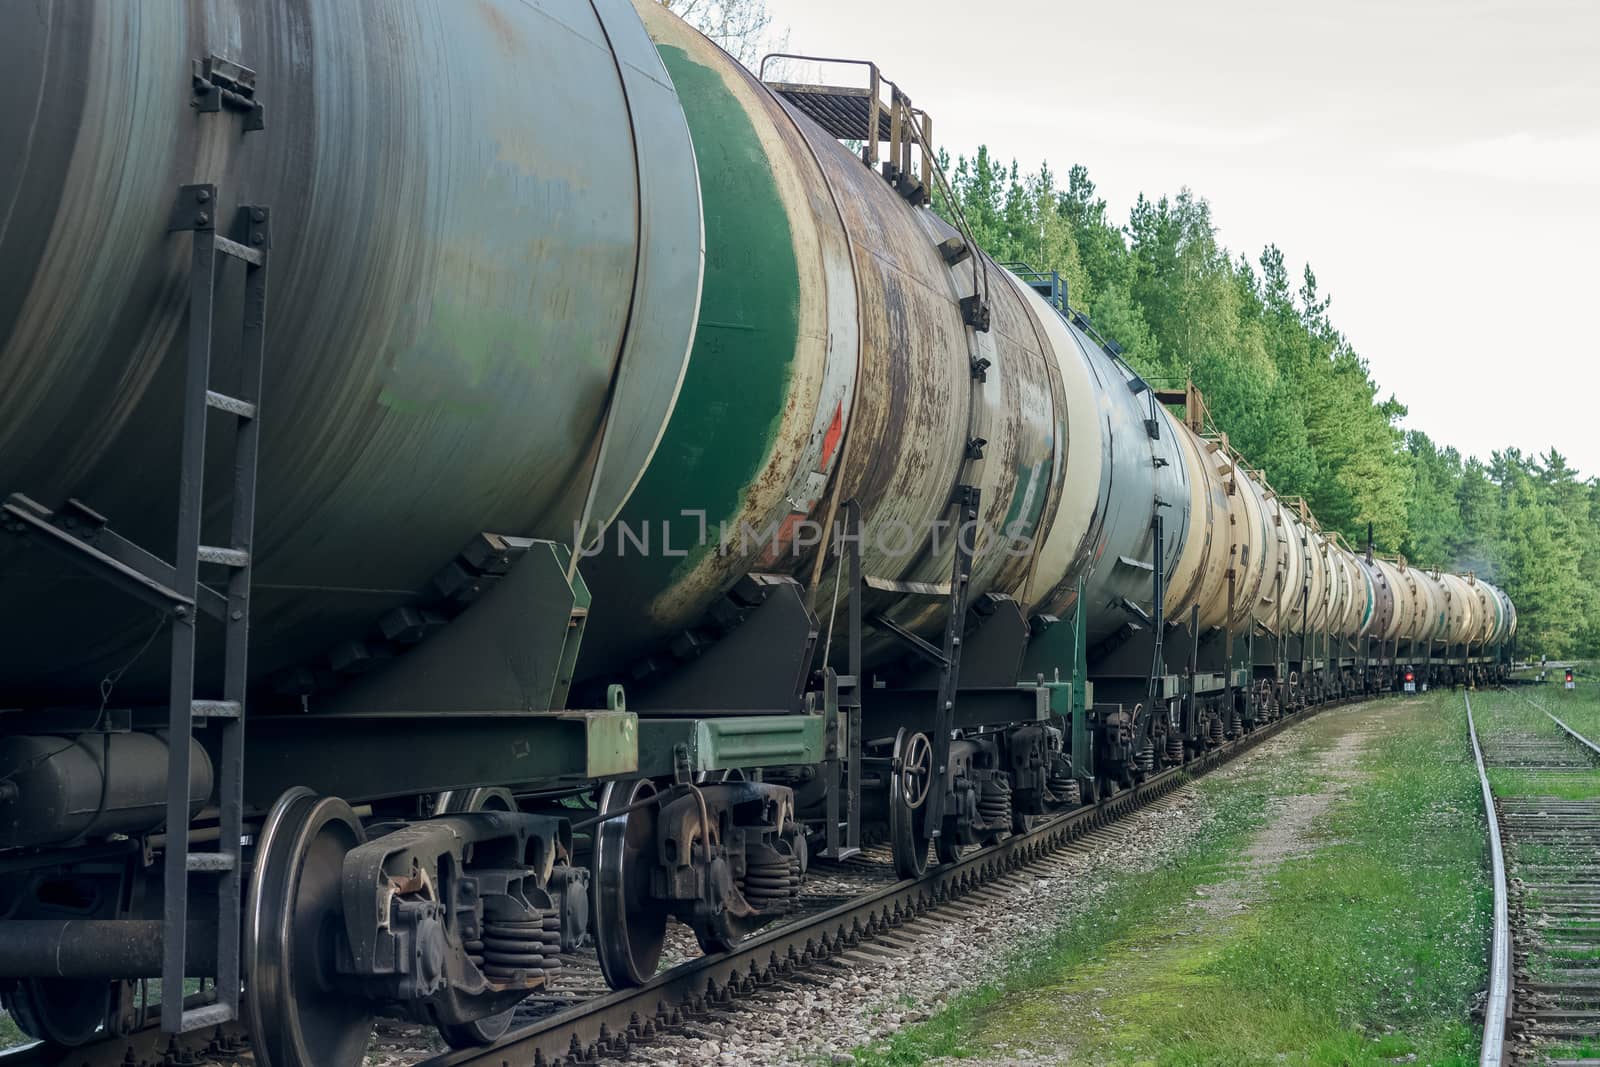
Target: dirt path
(1290,820)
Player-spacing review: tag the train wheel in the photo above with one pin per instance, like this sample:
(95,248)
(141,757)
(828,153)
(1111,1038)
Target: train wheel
(296,1012)
(489,798)
(1091,791)
(908,797)
(629,926)
(60,1011)
(64,1012)
(488,1030)
(948,849)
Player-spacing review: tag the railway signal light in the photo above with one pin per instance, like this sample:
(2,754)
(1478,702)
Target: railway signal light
(1410,677)
(1570,684)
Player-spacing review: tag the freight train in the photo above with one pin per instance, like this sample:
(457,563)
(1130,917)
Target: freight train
(626,489)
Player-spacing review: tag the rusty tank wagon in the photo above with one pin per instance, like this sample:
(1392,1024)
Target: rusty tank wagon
(626,489)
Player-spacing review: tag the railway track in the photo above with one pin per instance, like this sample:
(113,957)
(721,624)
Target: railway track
(850,911)
(1544,997)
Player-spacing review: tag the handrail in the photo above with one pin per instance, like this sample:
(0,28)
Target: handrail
(920,135)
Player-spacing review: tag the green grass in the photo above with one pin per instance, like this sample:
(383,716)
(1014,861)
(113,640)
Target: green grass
(1571,785)
(1578,708)
(10,1036)
(1368,949)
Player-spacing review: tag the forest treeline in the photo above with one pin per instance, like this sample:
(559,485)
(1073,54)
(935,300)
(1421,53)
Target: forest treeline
(1294,396)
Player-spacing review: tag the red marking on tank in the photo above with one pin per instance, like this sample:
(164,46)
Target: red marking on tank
(830,440)
(783,538)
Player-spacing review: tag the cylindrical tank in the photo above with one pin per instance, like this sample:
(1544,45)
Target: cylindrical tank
(1338,593)
(1365,620)
(1508,628)
(1253,562)
(1474,625)
(1413,602)
(481,316)
(1291,595)
(1318,579)
(1338,589)
(1511,616)
(1460,607)
(1435,606)
(834,365)
(1273,559)
(1422,602)
(1506,617)
(90,784)
(1348,612)
(1487,613)
(1394,591)
(1294,532)
(485,238)
(1202,575)
(1143,477)
(1345,619)
(1359,618)
(1495,622)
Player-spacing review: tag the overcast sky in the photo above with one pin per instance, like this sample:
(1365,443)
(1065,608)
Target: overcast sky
(1436,161)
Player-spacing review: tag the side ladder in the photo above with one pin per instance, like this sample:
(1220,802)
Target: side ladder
(195,211)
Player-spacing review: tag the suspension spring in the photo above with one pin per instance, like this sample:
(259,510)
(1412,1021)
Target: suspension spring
(994,802)
(512,948)
(1064,787)
(771,881)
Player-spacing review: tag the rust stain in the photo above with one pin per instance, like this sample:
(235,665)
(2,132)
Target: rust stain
(505,33)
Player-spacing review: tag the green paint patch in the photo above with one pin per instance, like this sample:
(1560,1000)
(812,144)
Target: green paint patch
(1363,944)
(1027,503)
(731,405)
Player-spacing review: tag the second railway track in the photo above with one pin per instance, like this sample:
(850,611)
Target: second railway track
(1548,1009)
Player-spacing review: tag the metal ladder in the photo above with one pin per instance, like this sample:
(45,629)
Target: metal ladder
(843,838)
(195,211)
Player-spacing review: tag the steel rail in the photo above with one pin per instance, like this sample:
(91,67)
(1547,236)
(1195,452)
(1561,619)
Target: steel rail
(1497,1008)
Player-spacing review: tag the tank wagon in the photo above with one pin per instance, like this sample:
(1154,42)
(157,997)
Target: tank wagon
(626,490)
